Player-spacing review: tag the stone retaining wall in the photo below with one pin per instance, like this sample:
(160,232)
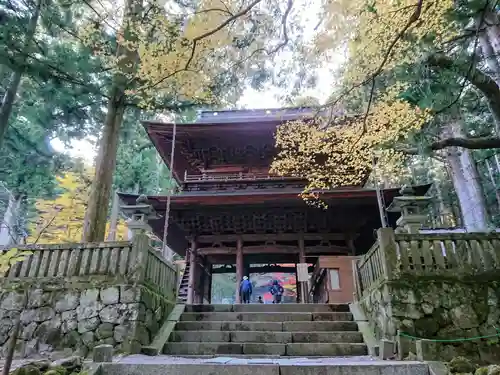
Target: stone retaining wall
(439,307)
(80,314)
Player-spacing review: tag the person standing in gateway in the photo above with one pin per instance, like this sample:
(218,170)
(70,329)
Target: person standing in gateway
(245,290)
(277,291)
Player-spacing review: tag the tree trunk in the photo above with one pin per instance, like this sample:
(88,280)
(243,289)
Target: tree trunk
(94,227)
(485,41)
(97,209)
(493,30)
(113,222)
(467,184)
(15,78)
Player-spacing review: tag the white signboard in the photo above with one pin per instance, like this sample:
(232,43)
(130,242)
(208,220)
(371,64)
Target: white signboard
(302,272)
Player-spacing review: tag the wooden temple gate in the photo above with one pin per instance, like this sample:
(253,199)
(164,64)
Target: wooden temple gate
(232,213)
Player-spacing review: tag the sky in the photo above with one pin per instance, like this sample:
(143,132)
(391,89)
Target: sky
(251,99)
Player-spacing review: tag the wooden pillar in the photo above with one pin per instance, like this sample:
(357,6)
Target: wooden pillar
(304,289)
(350,244)
(199,281)
(239,268)
(210,279)
(298,286)
(192,273)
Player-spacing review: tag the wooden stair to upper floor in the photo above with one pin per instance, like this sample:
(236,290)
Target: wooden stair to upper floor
(183,285)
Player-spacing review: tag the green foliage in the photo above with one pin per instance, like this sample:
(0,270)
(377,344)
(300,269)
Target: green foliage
(139,169)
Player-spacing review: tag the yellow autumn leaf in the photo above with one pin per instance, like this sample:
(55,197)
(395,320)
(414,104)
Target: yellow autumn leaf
(10,257)
(60,220)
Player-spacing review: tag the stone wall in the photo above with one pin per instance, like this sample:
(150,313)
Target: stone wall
(439,307)
(61,314)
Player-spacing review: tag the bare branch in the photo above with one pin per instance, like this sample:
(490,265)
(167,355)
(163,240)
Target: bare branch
(414,18)
(218,28)
(49,223)
(480,80)
(283,43)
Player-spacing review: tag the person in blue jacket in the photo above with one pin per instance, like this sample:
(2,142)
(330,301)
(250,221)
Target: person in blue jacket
(245,290)
(277,291)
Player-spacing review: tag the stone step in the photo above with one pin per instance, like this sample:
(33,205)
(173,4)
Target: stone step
(261,337)
(258,348)
(266,316)
(266,337)
(258,307)
(202,348)
(326,349)
(327,337)
(319,326)
(200,336)
(267,326)
(229,326)
(291,307)
(283,367)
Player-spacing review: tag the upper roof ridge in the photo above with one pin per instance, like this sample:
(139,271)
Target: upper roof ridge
(256,115)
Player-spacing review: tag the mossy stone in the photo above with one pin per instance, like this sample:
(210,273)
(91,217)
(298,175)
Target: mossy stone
(27,370)
(481,371)
(461,365)
(59,370)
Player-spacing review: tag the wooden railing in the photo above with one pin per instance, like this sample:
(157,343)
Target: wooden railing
(474,252)
(161,274)
(231,176)
(67,260)
(394,255)
(135,261)
(369,268)
(317,275)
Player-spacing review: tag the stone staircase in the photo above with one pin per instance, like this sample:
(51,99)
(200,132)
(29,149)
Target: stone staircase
(265,329)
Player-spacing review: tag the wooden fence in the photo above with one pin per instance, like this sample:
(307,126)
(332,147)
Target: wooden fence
(161,274)
(106,259)
(464,252)
(394,255)
(369,269)
(67,260)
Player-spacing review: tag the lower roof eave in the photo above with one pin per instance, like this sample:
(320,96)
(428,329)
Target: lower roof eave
(189,199)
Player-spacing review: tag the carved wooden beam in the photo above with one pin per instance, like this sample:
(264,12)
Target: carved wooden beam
(261,269)
(274,249)
(270,237)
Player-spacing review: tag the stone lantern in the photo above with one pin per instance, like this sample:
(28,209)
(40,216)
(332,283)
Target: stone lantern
(140,213)
(412,208)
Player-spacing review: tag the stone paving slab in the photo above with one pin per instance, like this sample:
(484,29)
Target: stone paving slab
(284,361)
(191,369)
(352,369)
(237,365)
